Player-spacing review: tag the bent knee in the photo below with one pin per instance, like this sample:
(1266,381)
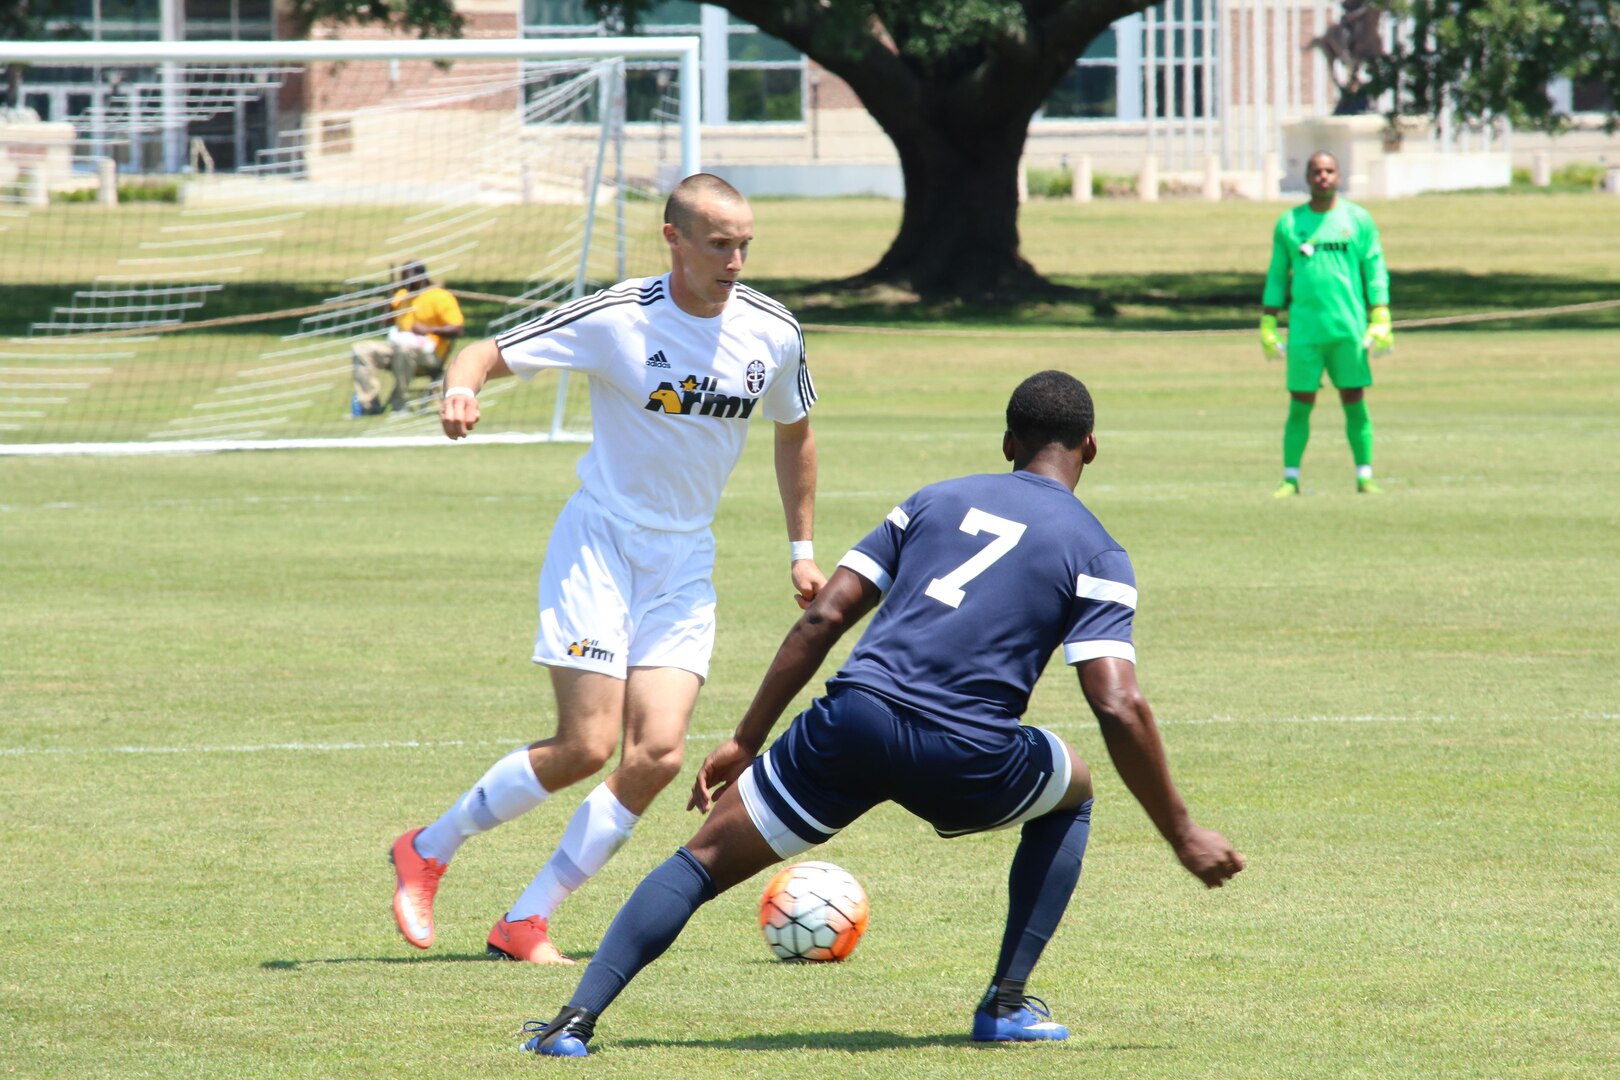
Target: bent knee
(583,756)
(1079,789)
(657,764)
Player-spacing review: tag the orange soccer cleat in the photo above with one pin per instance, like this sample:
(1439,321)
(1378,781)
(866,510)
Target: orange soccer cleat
(524,939)
(416,881)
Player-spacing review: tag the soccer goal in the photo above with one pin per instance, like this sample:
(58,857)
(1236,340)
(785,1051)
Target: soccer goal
(201,237)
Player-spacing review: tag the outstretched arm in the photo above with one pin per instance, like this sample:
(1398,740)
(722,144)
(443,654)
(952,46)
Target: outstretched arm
(1109,684)
(796,482)
(839,605)
(472,367)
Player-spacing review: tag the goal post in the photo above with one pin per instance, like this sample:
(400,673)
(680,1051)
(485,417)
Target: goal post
(211,245)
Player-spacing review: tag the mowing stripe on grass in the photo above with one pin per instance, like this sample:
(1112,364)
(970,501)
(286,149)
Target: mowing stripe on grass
(413,744)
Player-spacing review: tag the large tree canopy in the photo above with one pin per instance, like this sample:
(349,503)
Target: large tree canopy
(954,84)
(1485,58)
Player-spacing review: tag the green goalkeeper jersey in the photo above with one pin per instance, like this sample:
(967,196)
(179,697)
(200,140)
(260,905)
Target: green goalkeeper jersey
(1327,270)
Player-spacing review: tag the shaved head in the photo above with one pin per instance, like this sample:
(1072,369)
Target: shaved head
(681,210)
(1321,154)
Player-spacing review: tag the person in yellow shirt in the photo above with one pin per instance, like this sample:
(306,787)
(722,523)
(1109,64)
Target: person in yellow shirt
(427,320)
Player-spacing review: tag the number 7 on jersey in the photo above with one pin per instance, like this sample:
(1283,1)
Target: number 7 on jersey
(1006,534)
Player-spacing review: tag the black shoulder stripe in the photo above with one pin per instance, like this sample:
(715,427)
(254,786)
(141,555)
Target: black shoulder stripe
(578,310)
(764,301)
(540,321)
(807,388)
(770,307)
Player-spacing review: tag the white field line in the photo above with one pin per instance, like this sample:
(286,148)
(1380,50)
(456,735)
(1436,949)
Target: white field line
(694,736)
(55,371)
(156,245)
(232,224)
(164,259)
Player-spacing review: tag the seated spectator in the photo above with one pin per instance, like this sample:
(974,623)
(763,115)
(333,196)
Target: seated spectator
(426,320)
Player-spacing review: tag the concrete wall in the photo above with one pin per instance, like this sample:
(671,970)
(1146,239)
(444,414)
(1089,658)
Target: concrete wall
(40,152)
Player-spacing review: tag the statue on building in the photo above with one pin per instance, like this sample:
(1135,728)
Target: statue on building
(1348,45)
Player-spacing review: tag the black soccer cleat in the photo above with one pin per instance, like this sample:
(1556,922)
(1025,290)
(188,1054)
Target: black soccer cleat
(565,1036)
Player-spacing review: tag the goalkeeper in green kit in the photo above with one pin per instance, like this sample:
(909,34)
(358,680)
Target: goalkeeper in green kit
(1328,266)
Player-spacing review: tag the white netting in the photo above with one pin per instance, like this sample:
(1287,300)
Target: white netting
(195,254)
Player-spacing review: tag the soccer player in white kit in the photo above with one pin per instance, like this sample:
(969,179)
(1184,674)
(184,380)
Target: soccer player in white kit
(678,366)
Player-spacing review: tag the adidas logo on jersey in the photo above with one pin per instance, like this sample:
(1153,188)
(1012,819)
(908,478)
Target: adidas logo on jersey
(658,359)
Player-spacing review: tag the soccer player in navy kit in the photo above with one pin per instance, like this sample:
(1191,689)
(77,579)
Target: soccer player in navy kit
(981,579)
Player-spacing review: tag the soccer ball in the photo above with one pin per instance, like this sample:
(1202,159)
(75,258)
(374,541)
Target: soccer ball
(813,911)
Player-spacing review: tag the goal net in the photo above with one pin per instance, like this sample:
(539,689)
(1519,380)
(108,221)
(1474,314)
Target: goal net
(206,243)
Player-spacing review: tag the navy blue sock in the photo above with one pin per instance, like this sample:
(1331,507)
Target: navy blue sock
(649,923)
(1044,872)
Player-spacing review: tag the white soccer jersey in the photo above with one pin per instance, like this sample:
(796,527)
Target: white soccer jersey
(671,393)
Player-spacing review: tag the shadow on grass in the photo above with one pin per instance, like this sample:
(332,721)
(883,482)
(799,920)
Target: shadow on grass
(1209,301)
(1159,302)
(27,304)
(426,958)
(845,1042)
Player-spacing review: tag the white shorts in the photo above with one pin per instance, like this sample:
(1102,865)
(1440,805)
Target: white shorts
(615,595)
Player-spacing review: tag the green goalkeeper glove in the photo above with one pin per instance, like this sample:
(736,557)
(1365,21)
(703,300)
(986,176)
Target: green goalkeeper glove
(1270,343)
(1380,334)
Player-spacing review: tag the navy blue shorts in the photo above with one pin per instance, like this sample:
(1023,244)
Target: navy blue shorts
(852,750)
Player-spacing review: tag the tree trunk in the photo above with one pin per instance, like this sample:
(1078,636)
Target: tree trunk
(959,231)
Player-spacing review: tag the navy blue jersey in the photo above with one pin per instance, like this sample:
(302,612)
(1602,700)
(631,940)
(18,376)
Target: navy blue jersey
(984,577)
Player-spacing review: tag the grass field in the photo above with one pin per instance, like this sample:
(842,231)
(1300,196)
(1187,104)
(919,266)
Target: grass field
(227,682)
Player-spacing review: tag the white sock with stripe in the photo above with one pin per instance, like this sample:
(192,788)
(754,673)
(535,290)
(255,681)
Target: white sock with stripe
(507,791)
(598,828)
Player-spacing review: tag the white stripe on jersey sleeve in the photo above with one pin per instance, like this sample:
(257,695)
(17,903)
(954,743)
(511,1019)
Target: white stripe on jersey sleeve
(864,565)
(900,518)
(1076,651)
(1113,592)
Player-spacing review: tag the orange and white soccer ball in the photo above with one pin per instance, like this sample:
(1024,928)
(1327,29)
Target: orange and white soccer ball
(813,911)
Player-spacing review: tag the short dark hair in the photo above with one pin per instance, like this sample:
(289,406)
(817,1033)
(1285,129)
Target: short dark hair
(1050,407)
(412,274)
(680,209)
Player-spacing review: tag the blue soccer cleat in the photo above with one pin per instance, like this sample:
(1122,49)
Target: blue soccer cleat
(1031,1023)
(565,1036)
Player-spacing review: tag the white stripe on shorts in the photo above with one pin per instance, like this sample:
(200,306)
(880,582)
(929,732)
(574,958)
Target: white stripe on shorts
(1049,796)
(783,840)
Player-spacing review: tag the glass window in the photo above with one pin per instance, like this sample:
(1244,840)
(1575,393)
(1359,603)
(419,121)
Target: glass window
(765,94)
(674,13)
(1088,93)
(751,46)
(557,15)
(1117,63)
(1102,47)
(1589,96)
(764,76)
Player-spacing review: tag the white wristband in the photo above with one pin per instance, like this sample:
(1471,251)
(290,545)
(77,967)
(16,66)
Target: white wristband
(461,391)
(801,549)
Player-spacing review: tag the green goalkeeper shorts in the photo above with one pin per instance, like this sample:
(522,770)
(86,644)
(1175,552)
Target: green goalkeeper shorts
(1344,361)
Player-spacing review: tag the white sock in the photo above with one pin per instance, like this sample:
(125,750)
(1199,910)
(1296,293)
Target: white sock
(507,791)
(1291,472)
(598,828)
(1363,472)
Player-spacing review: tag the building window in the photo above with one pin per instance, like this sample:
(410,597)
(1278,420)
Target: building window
(1091,90)
(748,76)
(1150,65)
